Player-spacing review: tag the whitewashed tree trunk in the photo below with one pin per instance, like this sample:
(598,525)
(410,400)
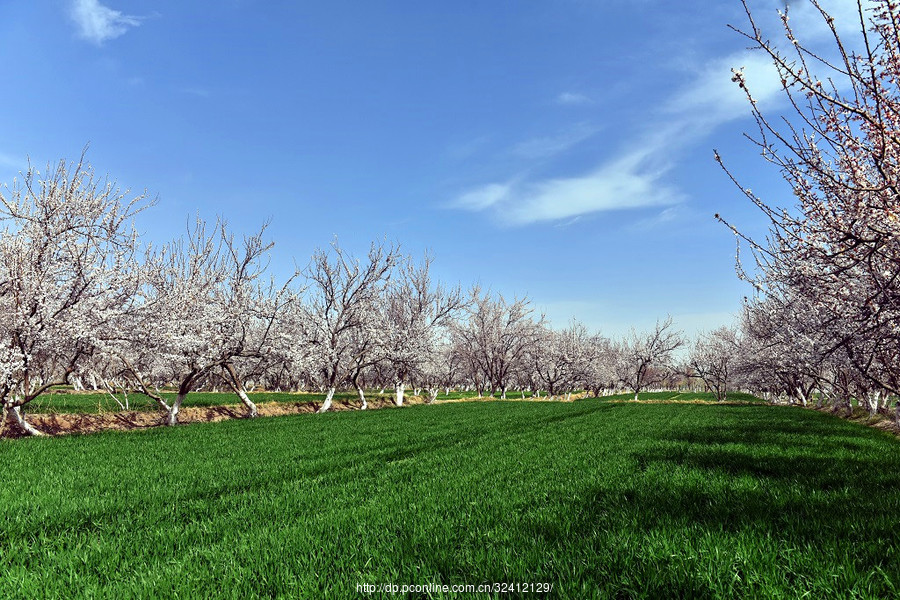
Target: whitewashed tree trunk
(874,403)
(238,387)
(432,395)
(362,398)
(327,404)
(176,406)
(401,387)
(19,418)
(636,396)
(251,406)
(503,393)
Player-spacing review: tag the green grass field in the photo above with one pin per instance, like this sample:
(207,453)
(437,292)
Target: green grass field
(600,499)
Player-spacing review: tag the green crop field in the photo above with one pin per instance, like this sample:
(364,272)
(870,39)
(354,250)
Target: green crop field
(598,499)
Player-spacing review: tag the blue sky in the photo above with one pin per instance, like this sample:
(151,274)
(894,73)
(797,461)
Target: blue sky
(560,149)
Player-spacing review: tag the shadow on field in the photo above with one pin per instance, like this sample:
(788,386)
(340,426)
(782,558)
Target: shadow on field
(781,488)
(808,484)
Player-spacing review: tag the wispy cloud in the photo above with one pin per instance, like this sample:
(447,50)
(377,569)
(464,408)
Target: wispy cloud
(98,23)
(630,181)
(633,180)
(484,197)
(636,176)
(199,92)
(546,147)
(8,161)
(573,99)
(712,98)
(664,218)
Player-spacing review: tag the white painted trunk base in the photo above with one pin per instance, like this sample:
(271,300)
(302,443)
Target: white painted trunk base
(327,404)
(251,407)
(16,413)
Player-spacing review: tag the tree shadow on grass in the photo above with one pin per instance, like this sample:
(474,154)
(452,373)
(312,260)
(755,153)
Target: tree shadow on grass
(809,503)
(804,485)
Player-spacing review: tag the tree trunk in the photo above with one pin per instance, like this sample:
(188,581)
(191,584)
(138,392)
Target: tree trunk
(19,418)
(327,404)
(503,393)
(176,406)
(635,395)
(401,387)
(237,385)
(432,395)
(362,398)
(251,407)
(873,404)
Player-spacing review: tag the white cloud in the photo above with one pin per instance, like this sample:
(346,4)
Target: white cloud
(712,98)
(635,178)
(483,197)
(573,99)
(625,183)
(664,218)
(545,147)
(98,23)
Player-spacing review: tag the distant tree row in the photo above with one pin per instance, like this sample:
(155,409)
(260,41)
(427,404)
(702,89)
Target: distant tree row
(86,303)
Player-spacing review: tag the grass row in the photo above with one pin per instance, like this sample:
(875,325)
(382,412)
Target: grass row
(601,499)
